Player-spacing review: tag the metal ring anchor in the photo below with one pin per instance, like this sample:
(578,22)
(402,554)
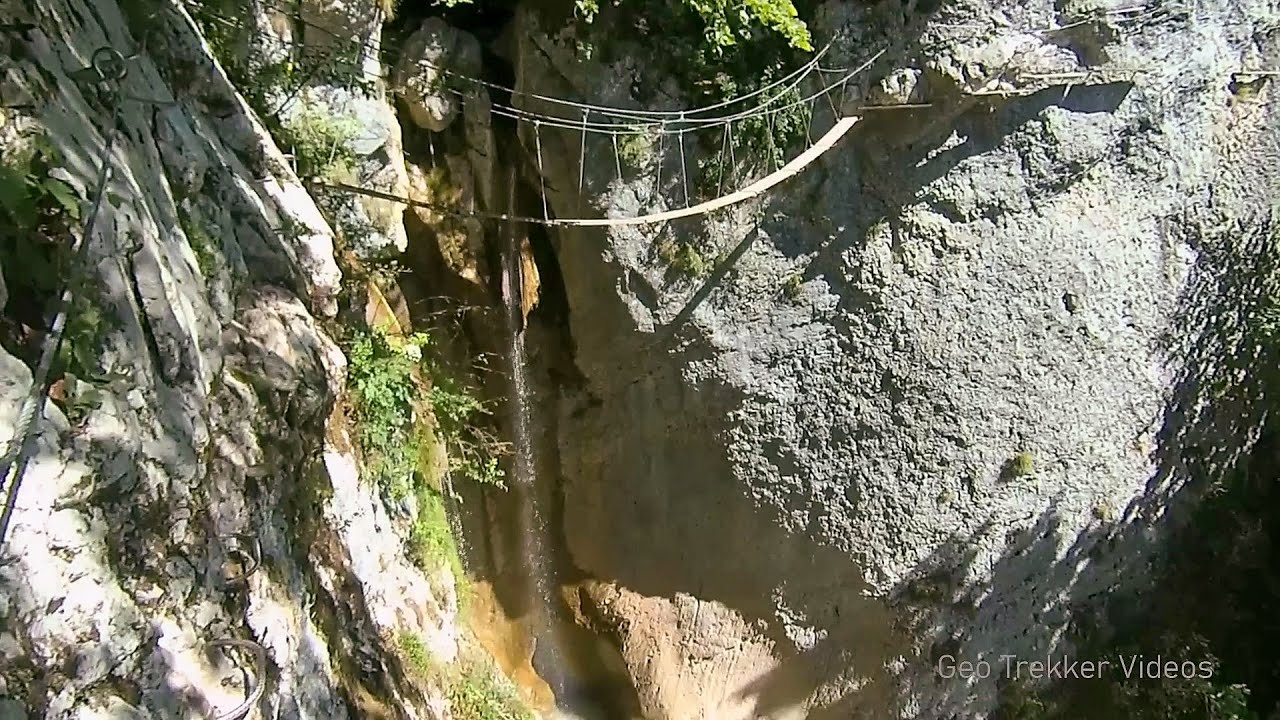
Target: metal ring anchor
(109,64)
(259,676)
(245,546)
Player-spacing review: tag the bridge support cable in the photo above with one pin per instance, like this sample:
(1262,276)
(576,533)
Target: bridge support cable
(684,174)
(657,176)
(755,189)
(542,175)
(721,159)
(773,149)
(808,123)
(617,157)
(581,162)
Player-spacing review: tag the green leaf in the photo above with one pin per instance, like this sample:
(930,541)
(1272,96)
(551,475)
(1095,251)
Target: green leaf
(15,197)
(65,196)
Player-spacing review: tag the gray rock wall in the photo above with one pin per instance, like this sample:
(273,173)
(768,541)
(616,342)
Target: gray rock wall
(828,462)
(206,412)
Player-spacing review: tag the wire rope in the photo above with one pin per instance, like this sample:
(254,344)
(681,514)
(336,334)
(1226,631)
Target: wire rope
(109,66)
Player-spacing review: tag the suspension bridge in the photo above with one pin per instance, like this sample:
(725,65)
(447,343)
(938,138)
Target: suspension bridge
(592,127)
(680,133)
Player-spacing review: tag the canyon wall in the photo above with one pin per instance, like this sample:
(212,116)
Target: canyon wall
(941,394)
(197,482)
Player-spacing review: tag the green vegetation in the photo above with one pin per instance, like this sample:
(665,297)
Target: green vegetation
(392,380)
(417,657)
(202,244)
(38,215)
(431,541)
(480,693)
(723,24)
(473,452)
(684,258)
(1021,465)
(85,333)
(474,688)
(636,148)
(791,286)
(29,197)
(320,143)
(385,391)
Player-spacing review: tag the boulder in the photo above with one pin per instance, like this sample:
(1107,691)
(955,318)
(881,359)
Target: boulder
(433,72)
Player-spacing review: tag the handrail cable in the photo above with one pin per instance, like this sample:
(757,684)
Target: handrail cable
(108,66)
(628,122)
(809,66)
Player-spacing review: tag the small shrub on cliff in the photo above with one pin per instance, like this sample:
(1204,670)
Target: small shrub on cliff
(381,376)
(431,541)
(1020,465)
(320,143)
(473,451)
(684,258)
(480,693)
(386,376)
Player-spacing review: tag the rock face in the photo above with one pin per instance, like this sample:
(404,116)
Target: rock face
(937,391)
(202,438)
(372,227)
(427,75)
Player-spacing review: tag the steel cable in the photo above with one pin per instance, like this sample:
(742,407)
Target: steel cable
(108,64)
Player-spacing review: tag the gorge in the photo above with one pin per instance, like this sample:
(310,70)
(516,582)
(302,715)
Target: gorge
(413,369)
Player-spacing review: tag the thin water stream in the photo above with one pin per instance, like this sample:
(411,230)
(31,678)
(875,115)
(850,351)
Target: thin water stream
(548,657)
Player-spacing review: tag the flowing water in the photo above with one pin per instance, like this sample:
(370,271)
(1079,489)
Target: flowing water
(549,657)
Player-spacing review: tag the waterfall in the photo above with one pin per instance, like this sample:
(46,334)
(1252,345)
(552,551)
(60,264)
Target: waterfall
(550,658)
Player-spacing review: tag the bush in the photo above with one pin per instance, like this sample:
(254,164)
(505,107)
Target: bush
(684,258)
(384,393)
(473,451)
(320,143)
(1020,465)
(37,213)
(480,693)
(431,541)
(388,377)
(720,25)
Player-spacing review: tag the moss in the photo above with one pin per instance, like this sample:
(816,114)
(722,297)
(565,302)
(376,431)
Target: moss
(685,258)
(1020,465)
(202,245)
(417,658)
(791,286)
(431,543)
(635,148)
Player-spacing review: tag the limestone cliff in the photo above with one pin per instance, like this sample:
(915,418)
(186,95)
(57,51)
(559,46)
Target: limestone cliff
(937,395)
(195,483)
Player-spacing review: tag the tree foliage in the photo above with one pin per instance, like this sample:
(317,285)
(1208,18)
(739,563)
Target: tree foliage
(727,23)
